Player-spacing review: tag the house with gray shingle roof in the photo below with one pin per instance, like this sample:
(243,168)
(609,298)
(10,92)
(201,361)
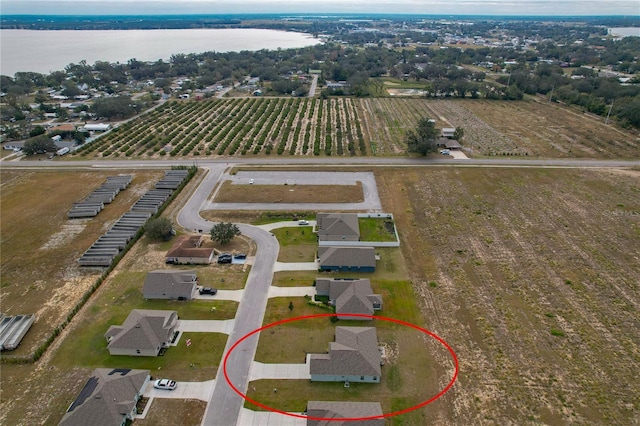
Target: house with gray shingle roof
(349,296)
(108,398)
(353,357)
(170,284)
(334,410)
(354,259)
(143,333)
(337,227)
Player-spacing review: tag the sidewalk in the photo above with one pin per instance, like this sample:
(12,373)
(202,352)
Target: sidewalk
(295,266)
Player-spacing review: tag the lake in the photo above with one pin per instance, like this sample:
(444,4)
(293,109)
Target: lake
(625,32)
(47,51)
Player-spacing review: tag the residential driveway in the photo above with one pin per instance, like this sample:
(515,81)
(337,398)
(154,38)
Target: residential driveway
(205,326)
(458,155)
(184,390)
(370,190)
(295,266)
(261,371)
(285,224)
(267,418)
(235,295)
(291,291)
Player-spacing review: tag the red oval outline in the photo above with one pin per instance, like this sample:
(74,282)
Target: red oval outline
(392,414)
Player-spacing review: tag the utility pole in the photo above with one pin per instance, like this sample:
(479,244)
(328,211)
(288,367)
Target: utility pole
(609,113)
(551,94)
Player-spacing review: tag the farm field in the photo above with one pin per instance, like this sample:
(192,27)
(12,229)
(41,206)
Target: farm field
(357,127)
(531,275)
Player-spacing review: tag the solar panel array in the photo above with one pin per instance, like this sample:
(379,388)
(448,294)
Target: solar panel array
(13,329)
(109,245)
(105,194)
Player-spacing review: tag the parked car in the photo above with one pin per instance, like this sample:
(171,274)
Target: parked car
(224,258)
(208,290)
(165,384)
(445,152)
(303,222)
(240,256)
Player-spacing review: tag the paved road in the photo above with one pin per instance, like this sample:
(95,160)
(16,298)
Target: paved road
(225,405)
(214,163)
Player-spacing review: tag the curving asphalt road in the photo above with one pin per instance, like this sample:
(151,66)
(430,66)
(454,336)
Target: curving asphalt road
(225,405)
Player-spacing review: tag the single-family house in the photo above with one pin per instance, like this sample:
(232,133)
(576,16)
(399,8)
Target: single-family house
(338,227)
(108,398)
(448,132)
(353,357)
(188,250)
(350,296)
(170,284)
(143,333)
(334,410)
(453,144)
(351,259)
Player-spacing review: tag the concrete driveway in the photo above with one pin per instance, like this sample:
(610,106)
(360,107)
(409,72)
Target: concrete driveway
(205,326)
(267,418)
(184,390)
(291,291)
(261,371)
(235,295)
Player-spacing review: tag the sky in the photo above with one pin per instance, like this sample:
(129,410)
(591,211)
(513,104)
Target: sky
(425,7)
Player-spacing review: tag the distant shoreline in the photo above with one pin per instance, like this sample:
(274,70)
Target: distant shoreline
(281,21)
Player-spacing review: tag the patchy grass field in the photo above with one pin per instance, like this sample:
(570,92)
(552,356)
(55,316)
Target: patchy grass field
(40,246)
(532,277)
(230,193)
(376,229)
(181,412)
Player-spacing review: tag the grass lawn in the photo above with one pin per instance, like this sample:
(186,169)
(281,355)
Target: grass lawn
(199,361)
(376,229)
(294,278)
(180,412)
(88,347)
(407,377)
(297,244)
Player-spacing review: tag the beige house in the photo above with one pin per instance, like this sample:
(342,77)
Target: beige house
(170,284)
(337,227)
(108,398)
(353,357)
(350,296)
(188,250)
(143,333)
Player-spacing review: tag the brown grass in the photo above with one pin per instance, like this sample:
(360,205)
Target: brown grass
(40,245)
(501,259)
(230,193)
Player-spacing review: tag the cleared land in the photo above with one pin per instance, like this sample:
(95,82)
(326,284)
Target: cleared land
(359,127)
(532,277)
(233,193)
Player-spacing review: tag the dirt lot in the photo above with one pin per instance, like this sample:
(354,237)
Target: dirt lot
(530,275)
(230,193)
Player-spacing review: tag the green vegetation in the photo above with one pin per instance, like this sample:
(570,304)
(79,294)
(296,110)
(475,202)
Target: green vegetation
(296,244)
(376,229)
